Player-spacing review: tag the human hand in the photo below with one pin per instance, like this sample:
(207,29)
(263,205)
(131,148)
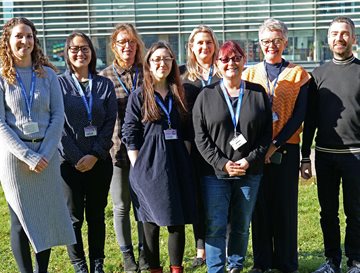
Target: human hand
(41,165)
(244,164)
(86,163)
(305,170)
(234,169)
(272,149)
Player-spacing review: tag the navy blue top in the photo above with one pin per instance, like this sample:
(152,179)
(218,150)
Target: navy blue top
(74,145)
(161,177)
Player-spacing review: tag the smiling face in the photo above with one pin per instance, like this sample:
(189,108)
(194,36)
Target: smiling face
(21,43)
(203,47)
(160,63)
(272,44)
(125,47)
(231,65)
(79,53)
(340,40)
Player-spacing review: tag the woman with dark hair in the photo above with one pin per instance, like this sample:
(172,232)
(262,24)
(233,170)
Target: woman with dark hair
(126,74)
(31,122)
(90,113)
(154,133)
(233,140)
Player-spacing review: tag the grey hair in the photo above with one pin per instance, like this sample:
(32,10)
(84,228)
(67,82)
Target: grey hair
(346,20)
(274,25)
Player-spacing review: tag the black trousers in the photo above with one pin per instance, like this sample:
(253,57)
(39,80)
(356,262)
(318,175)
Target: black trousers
(274,222)
(21,249)
(87,192)
(331,169)
(176,244)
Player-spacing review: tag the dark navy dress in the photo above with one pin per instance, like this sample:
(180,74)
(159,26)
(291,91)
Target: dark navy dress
(161,178)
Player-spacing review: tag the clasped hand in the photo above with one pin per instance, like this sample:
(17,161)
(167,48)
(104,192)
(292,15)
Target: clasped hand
(237,168)
(86,163)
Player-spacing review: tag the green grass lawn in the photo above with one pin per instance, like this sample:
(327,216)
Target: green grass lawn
(310,240)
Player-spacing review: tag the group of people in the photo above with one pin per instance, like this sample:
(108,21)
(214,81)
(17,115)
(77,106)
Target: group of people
(208,143)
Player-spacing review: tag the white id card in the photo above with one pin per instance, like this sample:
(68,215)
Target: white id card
(30,127)
(238,141)
(170,134)
(275,116)
(90,131)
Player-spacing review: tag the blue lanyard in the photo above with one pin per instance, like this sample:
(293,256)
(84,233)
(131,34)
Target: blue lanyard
(121,82)
(272,91)
(209,78)
(28,100)
(163,107)
(89,105)
(234,117)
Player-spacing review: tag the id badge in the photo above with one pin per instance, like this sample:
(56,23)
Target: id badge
(90,131)
(170,134)
(238,141)
(30,127)
(275,116)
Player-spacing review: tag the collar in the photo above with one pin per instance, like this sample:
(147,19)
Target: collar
(343,62)
(122,70)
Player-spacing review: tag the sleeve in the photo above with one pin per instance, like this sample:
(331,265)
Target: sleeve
(298,116)
(10,140)
(206,146)
(265,135)
(310,123)
(103,141)
(133,129)
(67,147)
(56,123)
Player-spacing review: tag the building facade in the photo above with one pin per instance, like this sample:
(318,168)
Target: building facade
(173,20)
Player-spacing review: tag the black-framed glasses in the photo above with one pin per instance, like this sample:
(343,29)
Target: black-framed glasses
(235,59)
(123,42)
(76,49)
(166,60)
(276,41)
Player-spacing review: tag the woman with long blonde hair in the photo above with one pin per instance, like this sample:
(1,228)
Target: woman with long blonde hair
(200,71)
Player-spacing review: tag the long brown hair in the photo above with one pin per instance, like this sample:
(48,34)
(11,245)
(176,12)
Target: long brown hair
(150,109)
(131,31)
(6,56)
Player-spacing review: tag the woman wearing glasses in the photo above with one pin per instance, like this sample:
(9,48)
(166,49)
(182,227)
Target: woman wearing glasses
(126,74)
(90,113)
(154,133)
(200,71)
(233,140)
(31,120)
(274,225)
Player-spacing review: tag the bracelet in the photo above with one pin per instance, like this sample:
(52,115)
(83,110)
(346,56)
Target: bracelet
(305,160)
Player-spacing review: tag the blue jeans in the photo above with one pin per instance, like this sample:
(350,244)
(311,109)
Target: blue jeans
(228,201)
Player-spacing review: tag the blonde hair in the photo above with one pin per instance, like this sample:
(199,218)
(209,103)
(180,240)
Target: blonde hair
(193,68)
(132,32)
(6,56)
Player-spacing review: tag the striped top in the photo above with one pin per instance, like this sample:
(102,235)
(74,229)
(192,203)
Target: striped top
(291,79)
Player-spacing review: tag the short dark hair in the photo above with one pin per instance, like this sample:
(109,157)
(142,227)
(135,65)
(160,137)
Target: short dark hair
(92,64)
(346,20)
